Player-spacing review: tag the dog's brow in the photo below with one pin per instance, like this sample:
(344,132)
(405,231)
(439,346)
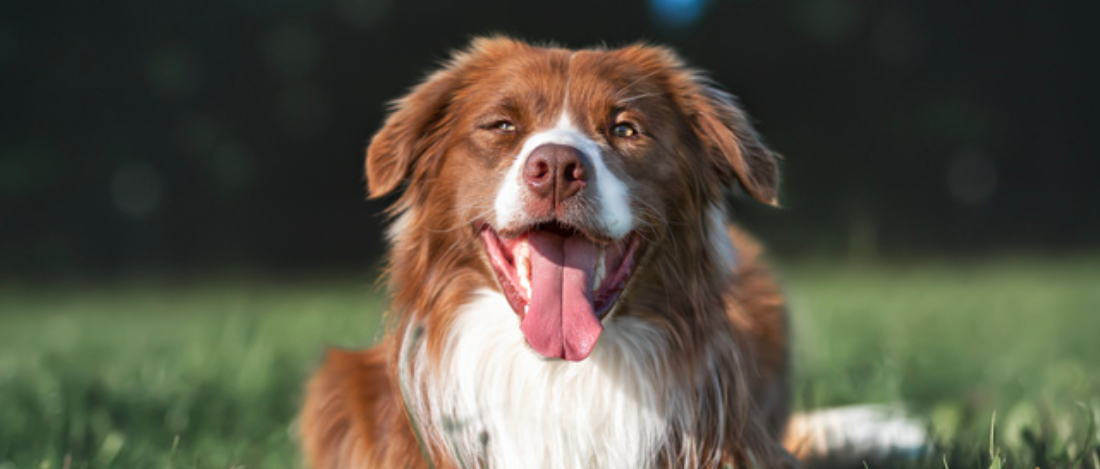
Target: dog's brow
(629,86)
(636,97)
(505,104)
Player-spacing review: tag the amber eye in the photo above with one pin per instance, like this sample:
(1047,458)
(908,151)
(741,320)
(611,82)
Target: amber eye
(504,126)
(624,130)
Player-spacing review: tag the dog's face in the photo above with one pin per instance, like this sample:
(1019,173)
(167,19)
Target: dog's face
(567,170)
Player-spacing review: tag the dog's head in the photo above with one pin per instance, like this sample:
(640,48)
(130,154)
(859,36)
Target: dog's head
(564,171)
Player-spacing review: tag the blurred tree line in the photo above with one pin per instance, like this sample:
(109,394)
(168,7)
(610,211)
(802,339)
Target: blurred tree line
(204,135)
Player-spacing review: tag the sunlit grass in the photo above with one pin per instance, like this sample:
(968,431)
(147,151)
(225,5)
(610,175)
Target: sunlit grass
(957,343)
(209,374)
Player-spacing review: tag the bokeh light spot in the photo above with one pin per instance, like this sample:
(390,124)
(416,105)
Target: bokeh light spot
(136,189)
(173,71)
(677,14)
(972,178)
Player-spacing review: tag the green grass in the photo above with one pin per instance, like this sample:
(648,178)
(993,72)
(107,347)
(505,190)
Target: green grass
(209,374)
(957,343)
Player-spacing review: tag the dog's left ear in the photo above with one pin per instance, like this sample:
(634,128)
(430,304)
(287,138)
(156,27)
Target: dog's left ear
(724,132)
(733,144)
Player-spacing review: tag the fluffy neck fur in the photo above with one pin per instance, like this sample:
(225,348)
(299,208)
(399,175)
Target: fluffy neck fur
(493,402)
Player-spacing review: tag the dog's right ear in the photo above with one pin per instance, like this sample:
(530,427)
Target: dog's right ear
(411,130)
(414,134)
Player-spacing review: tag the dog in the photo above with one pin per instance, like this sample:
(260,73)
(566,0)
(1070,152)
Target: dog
(567,289)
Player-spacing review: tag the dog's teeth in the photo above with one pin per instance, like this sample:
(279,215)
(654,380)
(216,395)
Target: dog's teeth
(523,266)
(597,279)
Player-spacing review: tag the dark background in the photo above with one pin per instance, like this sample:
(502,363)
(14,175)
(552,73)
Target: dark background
(178,136)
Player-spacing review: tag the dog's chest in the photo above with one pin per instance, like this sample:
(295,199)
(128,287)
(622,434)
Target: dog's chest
(496,403)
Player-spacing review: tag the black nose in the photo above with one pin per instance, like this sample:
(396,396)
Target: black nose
(558,171)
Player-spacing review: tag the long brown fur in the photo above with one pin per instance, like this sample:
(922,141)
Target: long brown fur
(730,330)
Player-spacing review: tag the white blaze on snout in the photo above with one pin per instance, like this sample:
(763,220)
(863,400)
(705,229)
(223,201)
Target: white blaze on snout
(612,195)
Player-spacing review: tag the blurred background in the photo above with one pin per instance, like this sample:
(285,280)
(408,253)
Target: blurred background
(184,225)
(179,136)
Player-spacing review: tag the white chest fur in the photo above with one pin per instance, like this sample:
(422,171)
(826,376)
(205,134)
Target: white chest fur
(499,404)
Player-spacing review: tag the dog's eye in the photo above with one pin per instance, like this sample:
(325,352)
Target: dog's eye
(624,130)
(504,126)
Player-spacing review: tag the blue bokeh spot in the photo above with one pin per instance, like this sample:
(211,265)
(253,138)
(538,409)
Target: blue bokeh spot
(676,13)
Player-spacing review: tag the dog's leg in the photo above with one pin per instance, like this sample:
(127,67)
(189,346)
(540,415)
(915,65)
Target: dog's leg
(353,416)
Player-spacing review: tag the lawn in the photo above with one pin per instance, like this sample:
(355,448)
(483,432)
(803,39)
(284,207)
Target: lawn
(208,373)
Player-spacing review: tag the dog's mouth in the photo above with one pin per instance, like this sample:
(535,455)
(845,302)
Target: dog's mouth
(561,283)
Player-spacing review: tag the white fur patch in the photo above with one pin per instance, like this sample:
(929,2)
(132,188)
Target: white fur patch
(400,225)
(871,430)
(499,404)
(508,203)
(720,244)
(614,195)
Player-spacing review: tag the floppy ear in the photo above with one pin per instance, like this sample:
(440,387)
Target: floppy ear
(412,129)
(724,131)
(415,131)
(733,144)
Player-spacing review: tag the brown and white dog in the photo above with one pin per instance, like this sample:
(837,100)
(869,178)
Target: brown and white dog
(567,292)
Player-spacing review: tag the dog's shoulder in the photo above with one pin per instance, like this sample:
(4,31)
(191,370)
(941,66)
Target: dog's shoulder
(352,405)
(757,308)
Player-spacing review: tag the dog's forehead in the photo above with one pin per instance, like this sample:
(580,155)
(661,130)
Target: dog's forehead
(545,83)
(612,69)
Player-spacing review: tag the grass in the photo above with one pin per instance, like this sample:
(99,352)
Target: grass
(209,374)
(959,343)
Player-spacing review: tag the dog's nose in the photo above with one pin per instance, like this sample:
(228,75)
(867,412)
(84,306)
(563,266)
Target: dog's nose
(554,170)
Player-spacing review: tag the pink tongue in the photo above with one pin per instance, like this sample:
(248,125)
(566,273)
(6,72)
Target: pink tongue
(560,320)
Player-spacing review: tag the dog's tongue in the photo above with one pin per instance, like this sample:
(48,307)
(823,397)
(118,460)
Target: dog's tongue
(560,321)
